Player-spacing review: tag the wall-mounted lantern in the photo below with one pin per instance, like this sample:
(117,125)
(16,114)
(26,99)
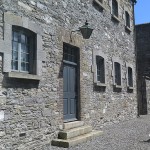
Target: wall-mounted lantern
(85,30)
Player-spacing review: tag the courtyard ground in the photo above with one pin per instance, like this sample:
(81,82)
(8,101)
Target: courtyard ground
(129,135)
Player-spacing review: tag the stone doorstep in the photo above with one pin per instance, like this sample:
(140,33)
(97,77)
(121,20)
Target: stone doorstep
(67,134)
(76,140)
(73,124)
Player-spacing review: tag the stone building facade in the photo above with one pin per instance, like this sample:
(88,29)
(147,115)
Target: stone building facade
(37,43)
(143,65)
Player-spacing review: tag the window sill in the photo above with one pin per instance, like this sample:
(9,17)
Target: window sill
(128,29)
(118,86)
(100,4)
(130,87)
(20,75)
(100,84)
(115,18)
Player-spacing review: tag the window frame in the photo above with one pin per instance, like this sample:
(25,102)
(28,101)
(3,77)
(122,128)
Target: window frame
(127,28)
(32,44)
(115,9)
(128,65)
(94,67)
(11,20)
(103,65)
(116,18)
(127,21)
(116,60)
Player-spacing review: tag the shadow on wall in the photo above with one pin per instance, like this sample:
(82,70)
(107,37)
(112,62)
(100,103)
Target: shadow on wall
(99,89)
(19,83)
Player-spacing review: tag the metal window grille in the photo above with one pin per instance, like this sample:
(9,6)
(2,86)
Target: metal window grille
(100,69)
(69,53)
(115,8)
(127,19)
(130,77)
(117,73)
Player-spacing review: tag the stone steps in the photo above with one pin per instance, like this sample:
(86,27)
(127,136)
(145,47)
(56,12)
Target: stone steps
(75,141)
(74,133)
(74,124)
(67,134)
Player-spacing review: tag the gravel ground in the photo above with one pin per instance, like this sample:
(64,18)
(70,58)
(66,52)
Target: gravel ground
(128,135)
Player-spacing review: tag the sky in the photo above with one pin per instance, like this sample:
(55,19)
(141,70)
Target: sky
(142,11)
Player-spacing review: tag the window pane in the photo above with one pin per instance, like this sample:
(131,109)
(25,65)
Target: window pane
(117,73)
(70,53)
(15,55)
(115,7)
(15,36)
(127,19)
(100,69)
(23,66)
(27,66)
(15,46)
(20,49)
(24,57)
(15,65)
(23,38)
(27,48)
(27,40)
(130,77)
(23,48)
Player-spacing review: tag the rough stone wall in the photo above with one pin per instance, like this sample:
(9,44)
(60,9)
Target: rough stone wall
(32,112)
(143,56)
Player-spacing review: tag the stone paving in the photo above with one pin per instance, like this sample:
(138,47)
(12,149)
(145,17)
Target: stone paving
(129,135)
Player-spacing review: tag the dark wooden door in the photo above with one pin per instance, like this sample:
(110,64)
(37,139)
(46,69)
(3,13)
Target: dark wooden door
(70,86)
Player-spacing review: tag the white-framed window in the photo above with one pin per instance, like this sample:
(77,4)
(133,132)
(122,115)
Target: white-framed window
(99,68)
(23,49)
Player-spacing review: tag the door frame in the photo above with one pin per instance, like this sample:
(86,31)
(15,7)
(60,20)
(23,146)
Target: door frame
(78,105)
